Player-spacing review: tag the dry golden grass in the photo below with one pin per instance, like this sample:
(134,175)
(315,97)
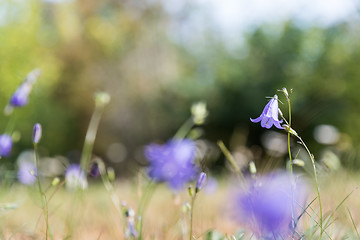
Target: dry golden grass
(91,215)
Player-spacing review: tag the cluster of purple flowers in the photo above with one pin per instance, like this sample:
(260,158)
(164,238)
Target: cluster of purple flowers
(19,99)
(269,205)
(172,162)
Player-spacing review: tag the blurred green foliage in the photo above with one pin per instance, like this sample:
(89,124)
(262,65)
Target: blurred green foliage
(126,48)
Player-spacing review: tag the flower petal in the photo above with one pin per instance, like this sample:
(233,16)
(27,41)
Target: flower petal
(277,124)
(257,119)
(267,122)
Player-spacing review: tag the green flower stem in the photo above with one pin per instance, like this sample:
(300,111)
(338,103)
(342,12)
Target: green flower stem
(144,201)
(316,184)
(184,129)
(10,125)
(109,187)
(90,138)
(231,160)
(44,202)
(289,123)
(290,131)
(192,216)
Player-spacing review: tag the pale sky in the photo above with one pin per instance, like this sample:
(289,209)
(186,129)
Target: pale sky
(232,17)
(243,13)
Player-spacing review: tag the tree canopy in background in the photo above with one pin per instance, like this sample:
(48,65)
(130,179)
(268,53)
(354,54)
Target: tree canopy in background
(155,64)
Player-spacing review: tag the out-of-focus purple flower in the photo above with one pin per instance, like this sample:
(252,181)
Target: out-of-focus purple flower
(21,96)
(5,145)
(271,205)
(27,173)
(200,182)
(75,177)
(94,170)
(270,115)
(37,131)
(130,217)
(211,185)
(172,162)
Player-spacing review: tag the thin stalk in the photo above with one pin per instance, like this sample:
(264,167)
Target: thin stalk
(90,138)
(184,129)
(44,203)
(144,201)
(353,222)
(291,166)
(109,187)
(231,160)
(289,123)
(316,184)
(10,124)
(192,216)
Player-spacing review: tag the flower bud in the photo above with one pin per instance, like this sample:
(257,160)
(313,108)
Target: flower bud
(111,174)
(55,182)
(5,145)
(186,207)
(199,112)
(191,191)
(94,170)
(299,162)
(252,168)
(37,132)
(284,90)
(102,99)
(200,182)
(290,130)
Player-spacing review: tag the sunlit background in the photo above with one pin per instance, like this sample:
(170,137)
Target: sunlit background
(155,58)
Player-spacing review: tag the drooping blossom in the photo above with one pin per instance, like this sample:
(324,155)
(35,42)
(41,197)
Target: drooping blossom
(172,162)
(270,115)
(5,145)
(75,177)
(21,96)
(27,173)
(270,205)
(37,132)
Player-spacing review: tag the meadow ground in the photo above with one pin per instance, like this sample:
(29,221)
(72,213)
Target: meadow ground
(90,214)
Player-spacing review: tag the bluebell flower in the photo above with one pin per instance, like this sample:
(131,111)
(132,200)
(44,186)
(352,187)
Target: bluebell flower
(270,115)
(5,145)
(27,173)
(172,162)
(75,177)
(271,205)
